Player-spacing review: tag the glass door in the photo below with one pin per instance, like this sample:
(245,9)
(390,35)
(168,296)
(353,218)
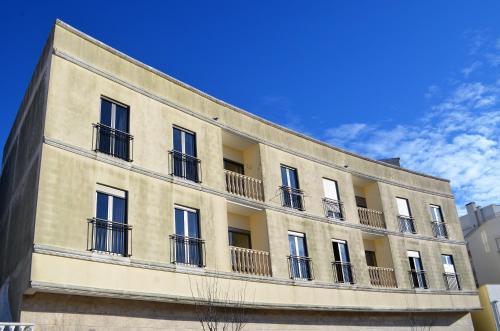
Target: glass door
(187,242)
(185,163)
(290,187)
(299,262)
(342,261)
(113,135)
(417,270)
(111,219)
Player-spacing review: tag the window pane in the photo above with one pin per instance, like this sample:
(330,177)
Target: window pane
(190,143)
(193,226)
(239,239)
(121,120)
(301,246)
(234,166)
(105,112)
(102,206)
(291,242)
(119,210)
(177,140)
(284,179)
(179,222)
(403,208)
(344,253)
(330,189)
(292,173)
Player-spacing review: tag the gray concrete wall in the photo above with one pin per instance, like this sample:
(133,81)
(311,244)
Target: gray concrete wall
(19,183)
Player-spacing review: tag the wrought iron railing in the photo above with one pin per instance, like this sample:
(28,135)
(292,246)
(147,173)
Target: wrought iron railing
(371,217)
(109,237)
(185,166)
(11,326)
(452,281)
(406,224)
(343,272)
(300,267)
(439,229)
(292,198)
(382,277)
(334,209)
(250,261)
(418,279)
(244,186)
(187,250)
(112,142)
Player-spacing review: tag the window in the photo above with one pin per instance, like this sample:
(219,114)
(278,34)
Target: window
(342,268)
(361,202)
(417,272)
(111,220)
(406,224)
(332,204)
(184,161)
(113,129)
(450,275)
(291,193)
(239,238)
(371,258)
(234,166)
(437,215)
(299,261)
(187,243)
(438,226)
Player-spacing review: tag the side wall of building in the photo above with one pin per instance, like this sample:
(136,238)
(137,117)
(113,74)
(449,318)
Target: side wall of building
(19,184)
(484,250)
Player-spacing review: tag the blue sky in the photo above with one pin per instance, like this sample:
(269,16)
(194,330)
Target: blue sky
(419,80)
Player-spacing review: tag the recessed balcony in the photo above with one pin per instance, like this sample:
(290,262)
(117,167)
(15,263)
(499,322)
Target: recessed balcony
(244,186)
(371,217)
(379,261)
(368,202)
(382,277)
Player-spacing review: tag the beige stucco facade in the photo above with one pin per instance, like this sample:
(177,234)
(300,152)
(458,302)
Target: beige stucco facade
(78,71)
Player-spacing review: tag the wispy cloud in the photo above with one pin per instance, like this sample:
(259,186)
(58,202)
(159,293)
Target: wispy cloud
(459,139)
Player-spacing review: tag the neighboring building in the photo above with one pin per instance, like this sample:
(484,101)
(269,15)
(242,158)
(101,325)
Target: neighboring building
(481,227)
(122,187)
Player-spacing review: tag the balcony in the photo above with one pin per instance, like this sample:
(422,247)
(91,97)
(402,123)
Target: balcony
(406,224)
(300,267)
(250,261)
(244,186)
(185,166)
(113,142)
(382,277)
(370,217)
(418,279)
(334,209)
(187,251)
(451,281)
(343,272)
(109,237)
(439,229)
(292,198)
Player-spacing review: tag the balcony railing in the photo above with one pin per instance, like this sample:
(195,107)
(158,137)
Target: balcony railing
(109,237)
(300,267)
(439,229)
(343,272)
(418,279)
(187,250)
(292,198)
(244,186)
(334,209)
(11,326)
(185,166)
(112,142)
(452,281)
(371,217)
(406,224)
(250,261)
(382,277)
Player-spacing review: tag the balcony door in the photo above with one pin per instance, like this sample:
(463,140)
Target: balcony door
(290,188)
(185,163)
(342,261)
(417,270)
(113,134)
(299,264)
(111,216)
(332,200)
(450,273)
(187,230)
(405,221)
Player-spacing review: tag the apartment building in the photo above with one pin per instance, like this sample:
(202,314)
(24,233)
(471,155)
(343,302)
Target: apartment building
(123,189)
(481,227)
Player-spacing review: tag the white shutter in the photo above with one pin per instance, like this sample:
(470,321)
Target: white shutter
(403,207)
(330,188)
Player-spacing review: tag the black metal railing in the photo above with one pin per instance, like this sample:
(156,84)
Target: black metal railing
(406,224)
(109,237)
(439,229)
(334,209)
(451,281)
(343,272)
(187,250)
(112,142)
(300,267)
(292,198)
(418,279)
(185,166)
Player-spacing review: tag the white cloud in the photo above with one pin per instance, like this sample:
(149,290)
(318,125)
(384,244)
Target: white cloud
(470,69)
(458,139)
